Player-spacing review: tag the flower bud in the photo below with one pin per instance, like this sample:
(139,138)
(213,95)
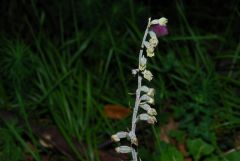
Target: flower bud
(151,101)
(123,149)
(116,137)
(162,21)
(152,112)
(150,51)
(146,44)
(142,63)
(144,89)
(143,117)
(151,92)
(145,106)
(159,27)
(147,75)
(159,30)
(152,120)
(135,71)
(147,98)
(152,34)
(148,118)
(133,138)
(153,40)
(144,97)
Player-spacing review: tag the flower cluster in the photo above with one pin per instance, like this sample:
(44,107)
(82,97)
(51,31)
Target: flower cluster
(144,94)
(157,28)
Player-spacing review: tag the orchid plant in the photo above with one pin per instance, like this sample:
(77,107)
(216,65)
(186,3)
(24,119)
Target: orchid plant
(144,95)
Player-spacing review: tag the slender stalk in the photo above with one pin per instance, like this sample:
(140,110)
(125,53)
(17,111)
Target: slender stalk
(157,28)
(138,91)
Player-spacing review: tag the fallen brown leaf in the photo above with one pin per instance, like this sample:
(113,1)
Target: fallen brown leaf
(188,159)
(182,148)
(116,111)
(164,136)
(171,125)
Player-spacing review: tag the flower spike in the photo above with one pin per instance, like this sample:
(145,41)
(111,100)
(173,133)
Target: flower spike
(144,94)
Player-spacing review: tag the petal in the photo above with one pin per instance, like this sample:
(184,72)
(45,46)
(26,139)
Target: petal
(163,21)
(151,92)
(154,22)
(159,30)
(123,149)
(152,34)
(115,138)
(145,106)
(152,112)
(147,75)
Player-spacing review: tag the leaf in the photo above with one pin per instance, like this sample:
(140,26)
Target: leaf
(179,135)
(213,158)
(182,149)
(170,153)
(116,111)
(234,156)
(146,154)
(187,159)
(198,148)
(165,130)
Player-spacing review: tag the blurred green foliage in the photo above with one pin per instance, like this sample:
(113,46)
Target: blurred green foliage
(62,61)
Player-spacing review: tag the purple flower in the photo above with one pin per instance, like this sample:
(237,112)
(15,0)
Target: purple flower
(159,30)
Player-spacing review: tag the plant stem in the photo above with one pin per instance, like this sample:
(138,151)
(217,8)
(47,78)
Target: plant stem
(137,101)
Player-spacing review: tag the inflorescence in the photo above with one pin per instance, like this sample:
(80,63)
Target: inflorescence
(144,95)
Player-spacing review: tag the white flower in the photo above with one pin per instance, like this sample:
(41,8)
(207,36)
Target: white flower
(142,63)
(133,138)
(123,149)
(147,98)
(153,40)
(151,101)
(150,52)
(144,97)
(135,71)
(144,89)
(151,92)
(148,118)
(116,137)
(152,34)
(147,107)
(147,75)
(162,21)
(150,49)
(147,44)
(152,120)
(152,112)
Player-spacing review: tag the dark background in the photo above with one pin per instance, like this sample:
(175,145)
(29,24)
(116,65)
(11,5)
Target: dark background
(62,62)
